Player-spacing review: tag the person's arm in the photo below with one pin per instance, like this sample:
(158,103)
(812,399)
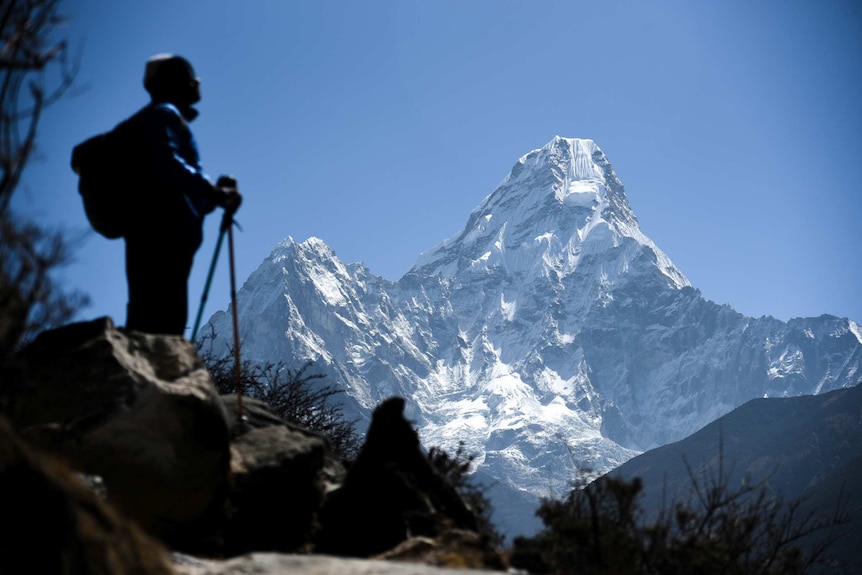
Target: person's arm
(168,140)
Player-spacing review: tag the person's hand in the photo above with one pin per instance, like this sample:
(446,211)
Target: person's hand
(226,183)
(231,198)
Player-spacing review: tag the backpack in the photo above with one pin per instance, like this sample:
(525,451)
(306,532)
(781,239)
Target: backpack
(106,164)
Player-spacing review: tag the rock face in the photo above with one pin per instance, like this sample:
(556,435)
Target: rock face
(138,410)
(550,334)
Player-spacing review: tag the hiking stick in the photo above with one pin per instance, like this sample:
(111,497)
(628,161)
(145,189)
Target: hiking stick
(236,354)
(209,281)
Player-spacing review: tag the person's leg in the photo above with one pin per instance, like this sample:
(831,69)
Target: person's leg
(157,274)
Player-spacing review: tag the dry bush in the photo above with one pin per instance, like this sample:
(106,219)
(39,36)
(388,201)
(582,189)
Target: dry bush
(294,395)
(600,528)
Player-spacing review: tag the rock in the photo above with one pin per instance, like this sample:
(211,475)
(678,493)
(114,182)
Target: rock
(390,494)
(138,410)
(255,415)
(456,548)
(137,417)
(279,472)
(275,564)
(52,523)
(258,415)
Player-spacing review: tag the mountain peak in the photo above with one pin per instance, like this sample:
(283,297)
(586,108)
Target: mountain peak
(311,248)
(558,203)
(576,172)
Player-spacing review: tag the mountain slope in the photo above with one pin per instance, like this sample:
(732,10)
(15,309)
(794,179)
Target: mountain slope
(550,335)
(801,447)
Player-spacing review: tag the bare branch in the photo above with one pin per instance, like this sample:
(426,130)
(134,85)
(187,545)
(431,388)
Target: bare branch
(30,300)
(25,55)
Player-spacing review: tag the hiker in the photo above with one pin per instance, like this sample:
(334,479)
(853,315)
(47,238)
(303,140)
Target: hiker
(176,195)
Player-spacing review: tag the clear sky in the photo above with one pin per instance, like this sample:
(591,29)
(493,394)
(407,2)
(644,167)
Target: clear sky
(377,126)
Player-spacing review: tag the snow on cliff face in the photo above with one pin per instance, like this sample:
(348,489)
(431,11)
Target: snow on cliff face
(550,335)
(559,204)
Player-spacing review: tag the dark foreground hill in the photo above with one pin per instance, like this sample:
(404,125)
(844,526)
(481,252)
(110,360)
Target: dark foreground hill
(807,447)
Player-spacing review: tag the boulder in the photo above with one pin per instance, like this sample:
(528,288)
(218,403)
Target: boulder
(391,492)
(258,415)
(52,523)
(278,476)
(138,410)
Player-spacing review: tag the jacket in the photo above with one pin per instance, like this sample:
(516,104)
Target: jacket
(177,192)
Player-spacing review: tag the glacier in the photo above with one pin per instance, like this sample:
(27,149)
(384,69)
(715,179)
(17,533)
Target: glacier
(550,336)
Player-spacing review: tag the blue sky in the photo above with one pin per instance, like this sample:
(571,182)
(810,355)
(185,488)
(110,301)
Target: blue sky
(377,126)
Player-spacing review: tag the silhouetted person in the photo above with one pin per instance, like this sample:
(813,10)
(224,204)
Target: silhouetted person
(176,195)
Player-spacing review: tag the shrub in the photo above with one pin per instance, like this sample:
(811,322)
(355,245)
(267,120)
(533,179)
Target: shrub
(456,469)
(295,396)
(599,528)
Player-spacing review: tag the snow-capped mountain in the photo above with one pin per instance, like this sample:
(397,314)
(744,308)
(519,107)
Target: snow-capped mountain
(550,335)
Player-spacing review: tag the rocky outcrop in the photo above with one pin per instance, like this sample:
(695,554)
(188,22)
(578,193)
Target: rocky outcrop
(138,410)
(139,417)
(392,482)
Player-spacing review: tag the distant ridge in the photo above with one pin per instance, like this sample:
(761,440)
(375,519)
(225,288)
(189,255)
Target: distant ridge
(802,447)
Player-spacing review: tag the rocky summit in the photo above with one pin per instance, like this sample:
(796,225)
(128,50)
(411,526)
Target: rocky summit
(550,335)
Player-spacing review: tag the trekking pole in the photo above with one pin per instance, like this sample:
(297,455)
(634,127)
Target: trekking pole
(209,281)
(236,354)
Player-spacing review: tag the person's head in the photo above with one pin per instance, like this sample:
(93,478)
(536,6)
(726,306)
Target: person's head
(171,78)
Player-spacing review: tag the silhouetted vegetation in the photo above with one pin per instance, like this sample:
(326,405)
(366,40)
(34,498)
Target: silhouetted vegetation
(601,528)
(30,300)
(294,395)
(456,469)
